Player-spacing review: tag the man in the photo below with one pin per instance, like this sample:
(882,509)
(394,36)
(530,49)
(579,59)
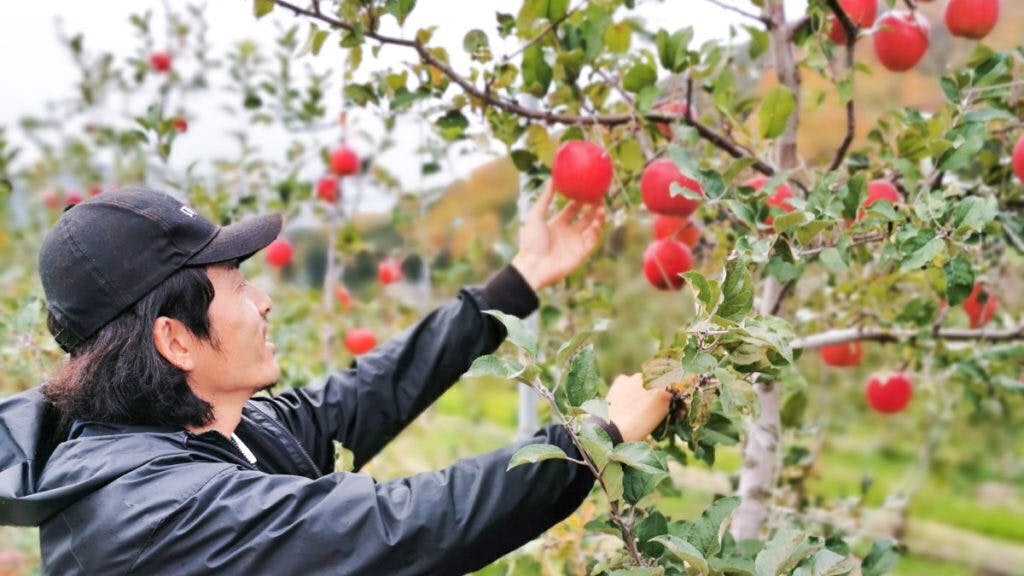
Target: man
(166,463)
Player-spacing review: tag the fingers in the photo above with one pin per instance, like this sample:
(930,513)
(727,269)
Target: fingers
(539,210)
(570,211)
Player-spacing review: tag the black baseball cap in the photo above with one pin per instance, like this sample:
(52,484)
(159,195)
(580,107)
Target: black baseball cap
(107,252)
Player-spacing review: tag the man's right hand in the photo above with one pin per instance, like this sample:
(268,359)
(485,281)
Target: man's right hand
(635,410)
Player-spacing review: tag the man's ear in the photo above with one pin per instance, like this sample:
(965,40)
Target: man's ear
(175,342)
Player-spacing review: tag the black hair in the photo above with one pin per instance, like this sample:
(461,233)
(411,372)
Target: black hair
(118,375)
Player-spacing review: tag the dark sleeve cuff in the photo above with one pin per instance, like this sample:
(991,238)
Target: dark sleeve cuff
(609,428)
(508,291)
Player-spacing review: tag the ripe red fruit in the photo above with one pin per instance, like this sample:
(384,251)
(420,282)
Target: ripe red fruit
(664,261)
(160,61)
(901,40)
(389,271)
(72,197)
(1018,159)
(95,190)
(980,305)
(888,394)
(343,296)
(327,189)
(778,199)
(682,229)
(582,171)
(861,12)
(879,190)
(842,355)
(656,185)
(180,124)
(344,161)
(279,253)
(971,18)
(52,200)
(673,108)
(360,341)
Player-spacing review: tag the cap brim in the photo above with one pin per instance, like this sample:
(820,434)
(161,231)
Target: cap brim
(240,240)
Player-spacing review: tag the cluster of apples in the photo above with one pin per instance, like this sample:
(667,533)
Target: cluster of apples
(901,37)
(343,161)
(890,393)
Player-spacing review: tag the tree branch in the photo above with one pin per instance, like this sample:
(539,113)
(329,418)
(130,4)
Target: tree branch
(551,26)
(876,334)
(428,58)
(857,240)
(851,38)
(762,19)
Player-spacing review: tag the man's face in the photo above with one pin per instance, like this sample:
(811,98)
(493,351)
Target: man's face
(239,358)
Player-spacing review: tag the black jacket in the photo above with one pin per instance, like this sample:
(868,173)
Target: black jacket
(122,499)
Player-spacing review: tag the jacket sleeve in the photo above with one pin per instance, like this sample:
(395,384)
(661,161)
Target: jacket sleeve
(367,405)
(447,522)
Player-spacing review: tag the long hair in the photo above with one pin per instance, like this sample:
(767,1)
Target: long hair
(118,376)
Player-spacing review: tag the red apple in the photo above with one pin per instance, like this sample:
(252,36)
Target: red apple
(980,305)
(180,124)
(778,199)
(879,190)
(327,189)
(95,190)
(389,271)
(888,394)
(160,61)
(582,171)
(279,253)
(901,40)
(971,18)
(1018,159)
(52,200)
(672,108)
(343,296)
(842,355)
(682,229)
(861,12)
(656,186)
(664,261)
(72,197)
(360,341)
(344,161)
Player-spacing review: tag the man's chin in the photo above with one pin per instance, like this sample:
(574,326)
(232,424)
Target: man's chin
(265,388)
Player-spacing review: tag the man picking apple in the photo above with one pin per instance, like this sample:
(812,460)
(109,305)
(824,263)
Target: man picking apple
(149,453)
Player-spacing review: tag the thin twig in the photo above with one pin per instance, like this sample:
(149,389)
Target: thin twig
(851,38)
(551,26)
(762,19)
(857,240)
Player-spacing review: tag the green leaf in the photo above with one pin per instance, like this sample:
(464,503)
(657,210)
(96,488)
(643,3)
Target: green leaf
(400,9)
(791,220)
(638,76)
(737,291)
(640,456)
(618,36)
(703,532)
(661,372)
(557,9)
(782,553)
(519,333)
(579,340)
(684,551)
(596,407)
(611,477)
(476,44)
(318,41)
(261,8)
(707,291)
(967,141)
(536,71)
(596,444)
(974,213)
(491,365)
(776,107)
(583,377)
(534,453)
(925,254)
(959,279)
(656,571)
(452,125)
(881,559)
(832,259)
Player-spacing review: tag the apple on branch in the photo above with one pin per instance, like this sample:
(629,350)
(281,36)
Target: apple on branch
(582,171)
(656,189)
(901,40)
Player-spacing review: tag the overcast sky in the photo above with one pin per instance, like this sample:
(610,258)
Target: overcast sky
(34,68)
